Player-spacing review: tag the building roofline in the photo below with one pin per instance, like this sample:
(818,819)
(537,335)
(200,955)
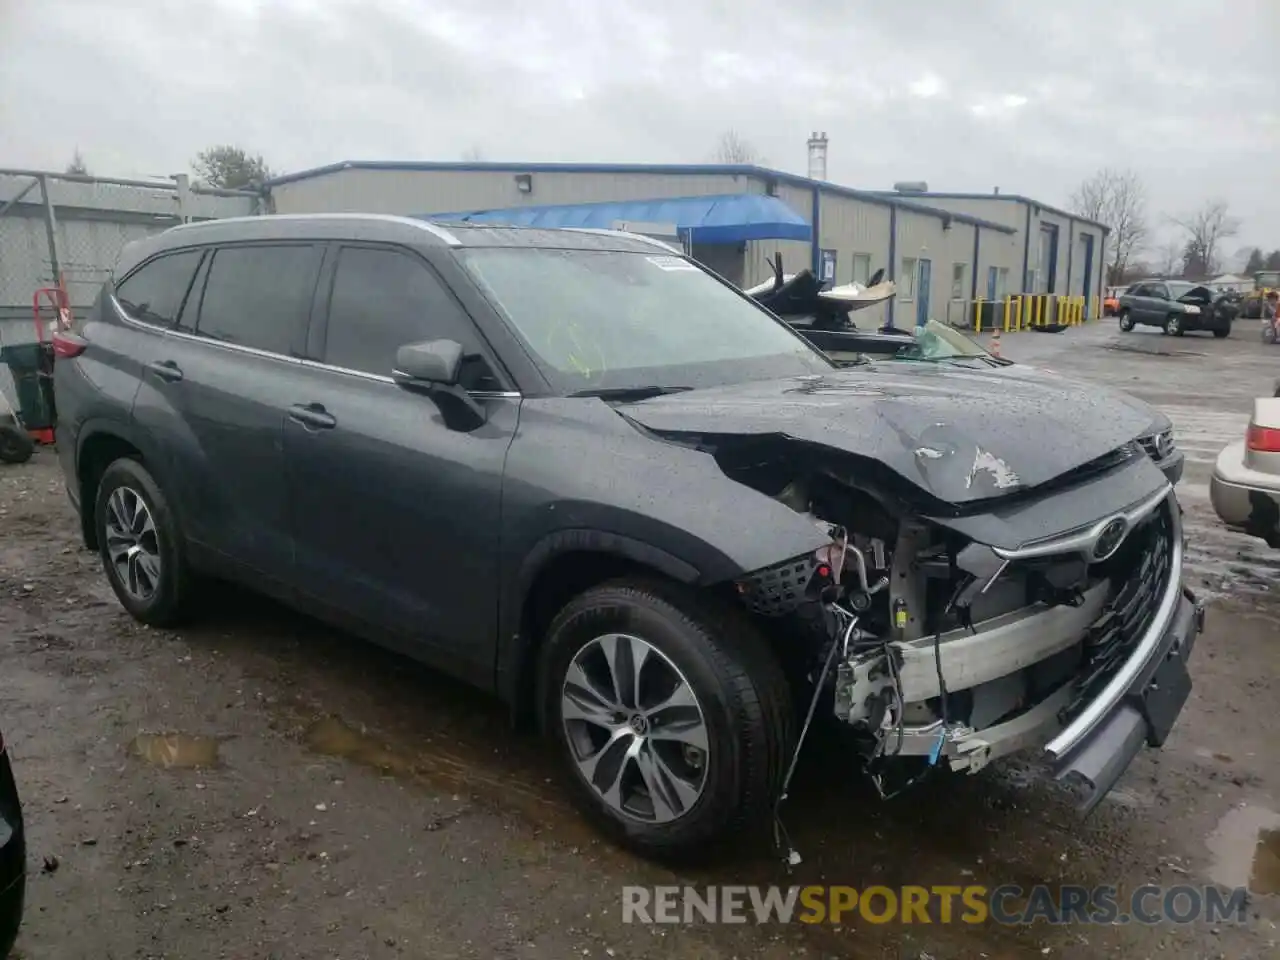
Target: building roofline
(669,169)
(960,195)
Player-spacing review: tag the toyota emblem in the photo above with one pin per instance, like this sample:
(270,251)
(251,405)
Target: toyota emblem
(1109,538)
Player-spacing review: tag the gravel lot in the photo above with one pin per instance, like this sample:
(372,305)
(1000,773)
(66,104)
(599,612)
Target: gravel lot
(260,786)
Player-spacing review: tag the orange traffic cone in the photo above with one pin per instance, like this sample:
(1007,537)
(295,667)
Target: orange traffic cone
(995,344)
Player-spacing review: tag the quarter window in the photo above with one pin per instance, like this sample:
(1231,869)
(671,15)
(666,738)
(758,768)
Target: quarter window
(259,295)
(154,294)
(383,300)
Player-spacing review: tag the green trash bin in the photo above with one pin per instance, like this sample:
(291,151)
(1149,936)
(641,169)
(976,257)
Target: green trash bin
(31,365)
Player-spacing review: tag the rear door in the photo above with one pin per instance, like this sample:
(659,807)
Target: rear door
(396,514)
(214,395)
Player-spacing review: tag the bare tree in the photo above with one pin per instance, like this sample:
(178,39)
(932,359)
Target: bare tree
(1117,199)
(77,164)
(1206,228)
(473,154)
(734,148)
(1169,258)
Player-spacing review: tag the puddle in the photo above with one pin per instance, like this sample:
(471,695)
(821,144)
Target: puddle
(175,750)
(333,738)
(1246,850)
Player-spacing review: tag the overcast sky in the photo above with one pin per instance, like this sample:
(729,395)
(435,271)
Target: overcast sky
(1028,95)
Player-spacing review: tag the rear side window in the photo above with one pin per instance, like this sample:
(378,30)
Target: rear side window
(382,300)
(154,293)
(259,296)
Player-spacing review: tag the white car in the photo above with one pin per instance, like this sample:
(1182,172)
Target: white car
(1245,488)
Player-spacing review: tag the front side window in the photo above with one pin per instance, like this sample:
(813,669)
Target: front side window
(154,293)
(259,295)
(595,319)
(383,300)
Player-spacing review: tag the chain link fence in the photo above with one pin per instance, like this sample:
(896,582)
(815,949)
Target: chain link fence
(67,229)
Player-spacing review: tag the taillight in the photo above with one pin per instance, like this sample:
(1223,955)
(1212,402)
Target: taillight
(1263,439)
(68,345)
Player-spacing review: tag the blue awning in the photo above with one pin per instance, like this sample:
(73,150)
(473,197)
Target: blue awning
(724,218)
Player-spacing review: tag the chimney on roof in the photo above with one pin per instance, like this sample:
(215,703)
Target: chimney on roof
(818,156)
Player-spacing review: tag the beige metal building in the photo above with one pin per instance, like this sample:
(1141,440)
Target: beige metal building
(733,218)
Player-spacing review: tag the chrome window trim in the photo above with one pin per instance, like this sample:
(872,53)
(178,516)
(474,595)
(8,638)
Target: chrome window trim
(299,361)
(1082,541)
(1127,675)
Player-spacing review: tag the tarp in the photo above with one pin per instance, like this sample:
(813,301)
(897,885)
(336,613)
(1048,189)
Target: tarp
(723,218)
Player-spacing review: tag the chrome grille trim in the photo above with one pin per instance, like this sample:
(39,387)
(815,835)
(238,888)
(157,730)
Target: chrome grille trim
(1097,709)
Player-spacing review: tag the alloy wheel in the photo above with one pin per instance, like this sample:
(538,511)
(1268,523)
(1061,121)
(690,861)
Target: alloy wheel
(133,545)
(635,728)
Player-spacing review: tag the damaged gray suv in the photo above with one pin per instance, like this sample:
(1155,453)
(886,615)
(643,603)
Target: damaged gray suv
(575,468)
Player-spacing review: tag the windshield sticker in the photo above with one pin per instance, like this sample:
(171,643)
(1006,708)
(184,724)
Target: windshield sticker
(671,263)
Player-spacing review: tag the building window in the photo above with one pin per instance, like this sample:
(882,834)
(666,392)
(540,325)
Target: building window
(1002,283)
(958,273)
(861,268)
(907,285)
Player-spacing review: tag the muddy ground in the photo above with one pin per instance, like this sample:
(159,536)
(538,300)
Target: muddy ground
(362,806)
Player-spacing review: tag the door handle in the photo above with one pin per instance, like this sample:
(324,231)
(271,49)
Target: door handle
(312,415)
(166,370)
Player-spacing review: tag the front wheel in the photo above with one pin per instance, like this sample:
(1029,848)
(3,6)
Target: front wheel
(1173,325)
(1222,332)
(1126,321)
(671,712)
(16,446)
(141,545)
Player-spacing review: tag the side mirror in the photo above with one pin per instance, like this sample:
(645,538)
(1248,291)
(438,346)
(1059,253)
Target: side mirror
(430,362)
(433,367)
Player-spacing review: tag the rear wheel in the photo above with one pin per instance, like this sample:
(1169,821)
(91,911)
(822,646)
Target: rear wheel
(141,545)
(1223,332)
(16,446)
(671,712)
(1173,325)
(1126,321)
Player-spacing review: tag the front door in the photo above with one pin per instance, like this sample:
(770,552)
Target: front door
(395,512)
(924,277)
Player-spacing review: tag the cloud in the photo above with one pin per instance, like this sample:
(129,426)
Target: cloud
(1029,97)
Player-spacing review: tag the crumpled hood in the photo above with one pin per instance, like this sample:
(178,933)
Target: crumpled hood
(960,435)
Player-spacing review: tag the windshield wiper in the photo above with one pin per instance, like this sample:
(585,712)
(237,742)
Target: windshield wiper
(625,394)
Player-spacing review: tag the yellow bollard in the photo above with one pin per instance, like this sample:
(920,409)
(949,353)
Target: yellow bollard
(1008,304)
(1038,309)
(977,315)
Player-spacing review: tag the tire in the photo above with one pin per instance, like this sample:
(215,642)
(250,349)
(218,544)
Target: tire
(16,446)
(1126,321)
(156,585)
(1221,333)
(1173,325)
(684,642)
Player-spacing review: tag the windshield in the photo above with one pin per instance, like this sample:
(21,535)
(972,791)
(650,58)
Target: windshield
(607,320)
(1177,289)
(939,342)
